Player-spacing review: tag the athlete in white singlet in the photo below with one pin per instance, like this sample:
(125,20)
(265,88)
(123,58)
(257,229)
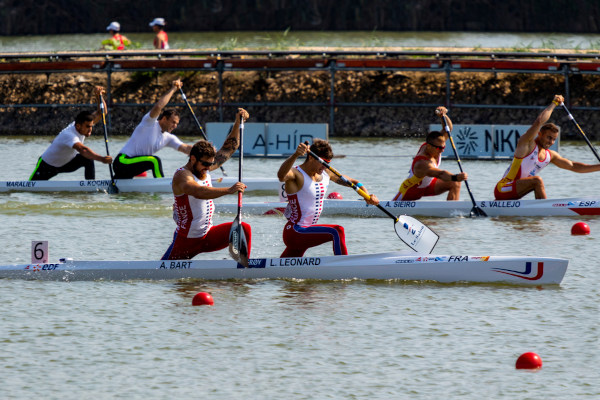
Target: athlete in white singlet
(193,207)
(532,155)
(306,186)
(425,178)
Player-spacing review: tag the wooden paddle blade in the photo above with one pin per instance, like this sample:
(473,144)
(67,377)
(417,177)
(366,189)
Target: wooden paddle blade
(238,245)
(415,234)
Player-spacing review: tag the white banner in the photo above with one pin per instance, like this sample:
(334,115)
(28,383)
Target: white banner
(268,139)
(485,141)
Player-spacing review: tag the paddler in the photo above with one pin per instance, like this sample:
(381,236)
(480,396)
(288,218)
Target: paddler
(533,154)
(67,153)
(116,41)
(425,178)
(193,207)
(306,185)
(152,134)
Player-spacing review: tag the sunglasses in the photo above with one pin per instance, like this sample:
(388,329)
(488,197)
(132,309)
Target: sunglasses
(207,163)
(437,147)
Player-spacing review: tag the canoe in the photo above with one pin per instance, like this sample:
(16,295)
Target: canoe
(386,266)
(159,185)
(573,206)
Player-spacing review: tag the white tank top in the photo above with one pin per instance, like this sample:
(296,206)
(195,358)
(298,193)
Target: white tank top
(530,165)
(193,216)
(305,206)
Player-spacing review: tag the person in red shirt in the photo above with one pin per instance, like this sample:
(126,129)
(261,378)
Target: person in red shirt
(161,40)
(117,41)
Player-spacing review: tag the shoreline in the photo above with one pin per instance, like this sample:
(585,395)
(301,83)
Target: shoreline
(423,91)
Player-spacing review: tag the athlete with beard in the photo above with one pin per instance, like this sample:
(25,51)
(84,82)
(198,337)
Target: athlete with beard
(532,155)
(193,207)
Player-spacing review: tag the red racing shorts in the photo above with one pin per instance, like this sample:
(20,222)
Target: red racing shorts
(217,238)
(298,239)
(509,191)
(415,192)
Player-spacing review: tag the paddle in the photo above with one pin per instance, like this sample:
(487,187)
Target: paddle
(197,122)
(410,230)
(238,245)
(581,131)
(113,187)
(475,211)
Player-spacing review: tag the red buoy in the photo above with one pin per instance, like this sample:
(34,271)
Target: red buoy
(203,299)
(335,196)
(142,175)
(580,228)
(529,361)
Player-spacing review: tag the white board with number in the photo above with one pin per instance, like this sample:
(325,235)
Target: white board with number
(39,252)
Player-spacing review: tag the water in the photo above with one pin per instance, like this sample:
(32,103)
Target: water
(293,339)
(305,40)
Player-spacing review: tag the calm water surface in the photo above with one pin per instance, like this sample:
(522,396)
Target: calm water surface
(293,339)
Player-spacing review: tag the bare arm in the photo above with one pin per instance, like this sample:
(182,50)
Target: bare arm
(525,143)
(574,166)
(232,141)
(442,112)
(164,100)
(425,168)
(90,154)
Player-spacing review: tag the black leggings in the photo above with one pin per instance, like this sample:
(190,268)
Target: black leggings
(44,171)
(128,167)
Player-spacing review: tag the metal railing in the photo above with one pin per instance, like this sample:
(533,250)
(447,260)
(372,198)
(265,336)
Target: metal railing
(332,62)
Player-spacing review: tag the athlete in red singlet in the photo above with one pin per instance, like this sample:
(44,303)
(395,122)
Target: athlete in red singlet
(532,155)
(193,208)
(306,186)
(425,178)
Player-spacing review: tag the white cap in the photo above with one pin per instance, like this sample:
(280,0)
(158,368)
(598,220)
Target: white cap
(114,26)
(158,21)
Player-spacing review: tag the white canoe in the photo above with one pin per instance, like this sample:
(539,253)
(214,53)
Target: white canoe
(393,265)
(159,185)
(438,208)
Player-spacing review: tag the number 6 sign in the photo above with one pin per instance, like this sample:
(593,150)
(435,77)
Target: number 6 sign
(39,252)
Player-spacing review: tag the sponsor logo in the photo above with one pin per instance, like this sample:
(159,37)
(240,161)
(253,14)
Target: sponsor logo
(20,183)
(294,262)
(255,263)
(529,274)
(43,267)
(404,261)
(176,265)
(480,258)
(467,141)
(431,259)
(563,204)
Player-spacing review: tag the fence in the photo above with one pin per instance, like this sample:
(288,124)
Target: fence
(332,62)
